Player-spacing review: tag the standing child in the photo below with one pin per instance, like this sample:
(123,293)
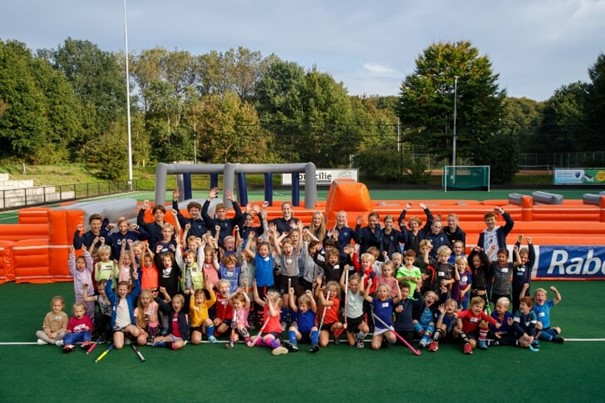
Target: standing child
(192,274)
(80,269)
(387,278)
(382,311)
(230,271)
(123,321)
(149,272)
(263,270)
(210,263)
(405,310)
(542,308)
(271,330)
(54,324)
(524,325)
(522,273)
(444,270)
(473,325)
(502,274)
(127,264)
(79,329)
(464,280)
(169,272)
(408,273)
(479,264)
(303,327)
(357,329)
(199,304)
(493,237)
(179,325)
(105,268)
(329,300)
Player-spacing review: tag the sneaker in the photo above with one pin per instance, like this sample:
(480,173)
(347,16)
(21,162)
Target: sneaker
(212,339)
(69,348)
(160,344)
(314,348)
(127,341)
(228,345)
(434,346)
(279,351)
(293,348)
(360,343)
(536,344)
(41,342)
(85,345)
(283,326)
(59,343)
(482,345)
(468,349)
(336,340)
(556,339)
(533,348)
(423,342)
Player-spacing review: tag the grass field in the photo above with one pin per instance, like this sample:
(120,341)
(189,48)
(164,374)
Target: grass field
(571,372)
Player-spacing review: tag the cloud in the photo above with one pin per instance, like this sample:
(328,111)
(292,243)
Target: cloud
(378,68)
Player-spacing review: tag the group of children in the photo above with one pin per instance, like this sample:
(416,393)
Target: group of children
(207,277)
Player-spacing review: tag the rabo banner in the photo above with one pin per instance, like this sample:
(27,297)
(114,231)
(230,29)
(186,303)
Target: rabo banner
(570,262)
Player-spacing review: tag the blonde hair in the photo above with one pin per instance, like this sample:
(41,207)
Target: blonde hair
(57,298)
(367,256)
(141,309)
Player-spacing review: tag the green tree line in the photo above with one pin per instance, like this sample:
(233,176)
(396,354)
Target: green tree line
(69,105)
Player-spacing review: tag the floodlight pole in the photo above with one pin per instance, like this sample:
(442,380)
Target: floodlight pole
(455,117)
(128,100)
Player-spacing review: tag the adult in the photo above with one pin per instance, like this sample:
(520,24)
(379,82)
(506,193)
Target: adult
(413,234)
(220,222)
(98,229)
(153,229)
(196,221)
(453,231)
(287,221)
(371,235)
(493,238)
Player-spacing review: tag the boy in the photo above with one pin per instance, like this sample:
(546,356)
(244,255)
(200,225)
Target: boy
(408,273)
(220,211)
(197,225)
(444,270)
(493,238)
(524,325)
(504,335)
(446,323)
(542,309)
(472,325)
(522,273)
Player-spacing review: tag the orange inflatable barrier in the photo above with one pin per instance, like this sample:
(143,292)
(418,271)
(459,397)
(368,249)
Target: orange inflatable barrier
(350,196)
(6,267)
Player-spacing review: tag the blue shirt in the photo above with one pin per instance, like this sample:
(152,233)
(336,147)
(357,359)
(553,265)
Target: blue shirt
(384,310)
(543,313)
(264,270)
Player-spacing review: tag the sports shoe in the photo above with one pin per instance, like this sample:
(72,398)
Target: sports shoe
(160,344)
(434,346)
(336,340)
(41,342)
(482,345)
(127,341)
(293,348)
(69,348)
(535,344)
(424,342)
(279,351)
(556,339)
(468,349)
(360,343)
(228,345)
(314,348)
(283,326)
(212,339)
(85,345)
(59,343)
(533,348)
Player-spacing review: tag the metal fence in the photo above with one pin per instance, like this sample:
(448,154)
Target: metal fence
(39,195)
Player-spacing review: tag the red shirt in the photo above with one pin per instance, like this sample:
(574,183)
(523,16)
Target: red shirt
(224,310)
(470,322)
(331,312)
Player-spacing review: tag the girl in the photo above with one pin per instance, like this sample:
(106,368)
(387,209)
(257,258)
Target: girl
(210,264)
(354,310)
(102,317)
(458,250)
(318,226)
(387,278)
(382,309)
(54,324)
(169,272)
(105,268)
(149,272)
(80,269)
(479,263)
(230,271)
(391,238)
(342,232)
(179,325)
(464,280)
(303,328)
(79,329)
(241,307)
(371,235)
(126,264)
(263,262)
(147,318)
(271,330)
(224,311)
(502,273)
(329,301)
(522,273)
(123,321)
(287,220)
(191,262)
(453,231)
(201,323)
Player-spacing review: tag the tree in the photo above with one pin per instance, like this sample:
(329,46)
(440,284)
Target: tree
(595,106)
(521,117)
(426,102)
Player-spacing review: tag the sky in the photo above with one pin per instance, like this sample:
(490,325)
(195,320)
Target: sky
(536,46)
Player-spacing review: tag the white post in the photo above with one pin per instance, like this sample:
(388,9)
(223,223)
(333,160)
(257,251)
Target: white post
(128,100)
(455,117)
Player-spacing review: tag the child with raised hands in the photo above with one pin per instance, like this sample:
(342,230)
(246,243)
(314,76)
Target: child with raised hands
(123,321)
(382,311)
(264,263)
(149,272)
(209,259)
(105,267)
(445,328)
(329,302)
(54,324)
(148,320)
(102,316)
(542,307)
(303,328)
(224,310)
(522,272)
(80,269)
(355,325)
(191,262)
(127,263)
(271,331)
(241,308)
(424,325)
(199,304)
(79,329)
(179,324)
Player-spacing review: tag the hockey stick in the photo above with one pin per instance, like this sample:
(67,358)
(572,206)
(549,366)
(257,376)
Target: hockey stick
(258,335)
(93,345)
(104,353)
(323,315)
(346,310)
(404,341)
(137,352)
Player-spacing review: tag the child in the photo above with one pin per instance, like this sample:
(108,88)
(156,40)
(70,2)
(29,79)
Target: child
(230,271)
(329,300)
(479,265)
(179,325)
(382,311)
(457,251)
(127,263)
(79,329)
(303,328)
(210,263)
(241,307)
(169,272)
(473,325)
(542,309)
(405,310)
(147,318)
(80,269)
(123,321)
(504,335)
(149,272)
(102,317)
(224,311)
(388,271)
(201,323)
(493,238)
(444,270)
(522,273)
(464,280)
(502,274)
(191,263)
(391,238)
(271,330)
(225,225)
(426,264)
(54,324)
(408,273)
(263,262)
(167,243)
(357,329)
(454,233)
(424,322)
(437,237)
(446,323)
(105,268)
(524,325)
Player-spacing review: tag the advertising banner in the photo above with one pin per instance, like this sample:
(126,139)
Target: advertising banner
(570,262)
(324,177)
(579,176)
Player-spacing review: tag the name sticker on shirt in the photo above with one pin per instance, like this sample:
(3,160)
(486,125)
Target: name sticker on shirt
(474,320)
(385,304)
(505,270)
(441,273)
(541,314)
